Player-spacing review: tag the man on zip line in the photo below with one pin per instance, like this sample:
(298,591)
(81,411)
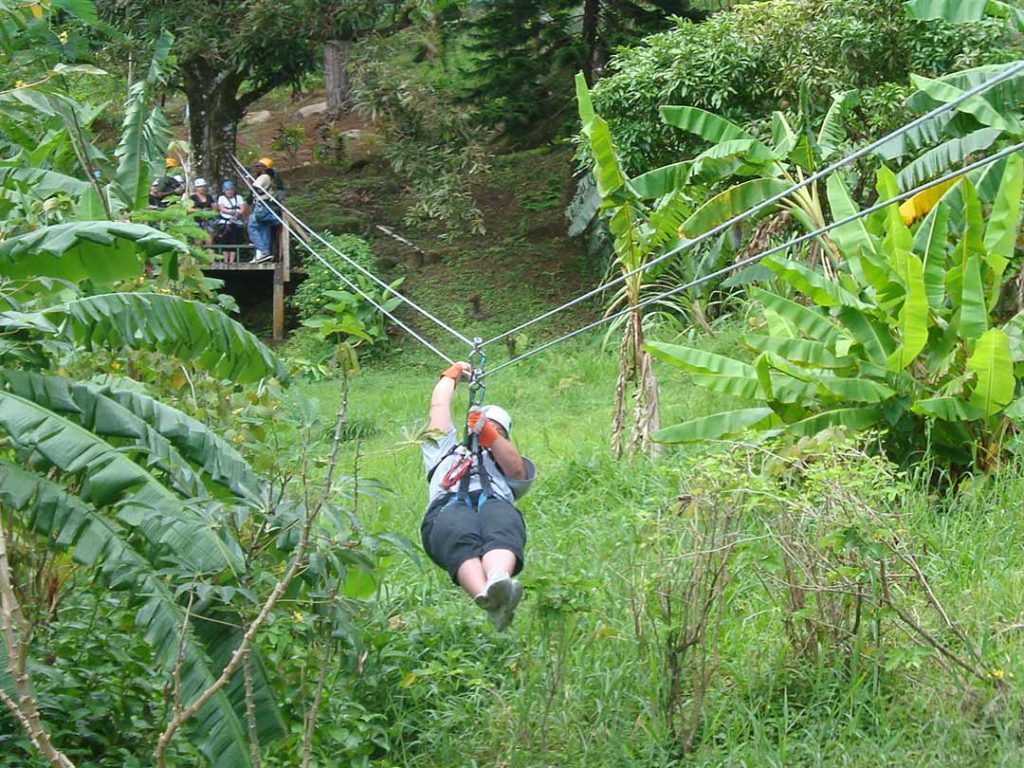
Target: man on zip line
(472,528)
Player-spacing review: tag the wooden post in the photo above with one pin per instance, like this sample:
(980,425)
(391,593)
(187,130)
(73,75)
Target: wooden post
(282,274)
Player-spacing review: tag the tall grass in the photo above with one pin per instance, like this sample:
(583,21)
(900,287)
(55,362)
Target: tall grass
(580,679)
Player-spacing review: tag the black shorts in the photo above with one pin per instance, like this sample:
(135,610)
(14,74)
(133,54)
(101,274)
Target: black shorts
(454,532)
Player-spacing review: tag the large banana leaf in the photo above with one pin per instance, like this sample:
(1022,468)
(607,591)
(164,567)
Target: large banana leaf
(104,417)
(109,478)
(932,240)
(853,390)
(104,252)
(707,125)
(921,204)
(814,285)
(728,204)
(833,132)
(196,442)
(607,169)
(966,10)
(946,156)
(947,408)
(991,363)
(874,336)
(913,320)
(42,183)
(715,372)
(973,308)
(1006,96)
(187,329)
(716,427)
(1004,220)
(219,729)
(805,352)
(808,320)
(739,157)
(942,92)
(145,132)
(661,181)
(852,419)
(853,239)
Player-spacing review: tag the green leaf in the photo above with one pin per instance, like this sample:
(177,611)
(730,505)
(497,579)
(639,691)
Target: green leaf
(913,322)
(932,239)
(715,372)
(852,238)
(1004,220)
(109,477)
(945,157)
(833,132)
(190,330)
(808,320)
(662,181)
(707,125)
(992,364)
(104,252)
(872,335)
(42,183)
(813,284)
(728,204)
(944,92)
(583,100)
(852,419)
(607,170)
(857,390)
(802,351)
(973,309)
(947,408)
(716,427)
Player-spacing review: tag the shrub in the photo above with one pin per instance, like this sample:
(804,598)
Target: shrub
(311,297)
(747,62)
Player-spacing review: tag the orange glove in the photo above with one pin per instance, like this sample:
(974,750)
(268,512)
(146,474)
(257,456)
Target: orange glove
(488,433)
(455,371)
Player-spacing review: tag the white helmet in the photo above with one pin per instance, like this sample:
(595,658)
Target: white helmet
(200,182)
(500,415)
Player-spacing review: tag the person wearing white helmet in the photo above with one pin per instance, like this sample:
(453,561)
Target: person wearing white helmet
(472,527)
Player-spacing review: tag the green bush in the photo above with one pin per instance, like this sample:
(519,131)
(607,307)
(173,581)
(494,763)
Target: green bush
(311,297)
(745,63)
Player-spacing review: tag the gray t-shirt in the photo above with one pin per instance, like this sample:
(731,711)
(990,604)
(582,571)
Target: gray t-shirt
(438,454)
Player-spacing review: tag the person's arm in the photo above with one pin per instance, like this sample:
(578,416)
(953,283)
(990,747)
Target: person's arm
(509,459)
(441,398)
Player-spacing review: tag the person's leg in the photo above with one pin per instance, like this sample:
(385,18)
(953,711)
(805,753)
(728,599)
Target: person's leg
(451,537)
(499,561)
(504,537)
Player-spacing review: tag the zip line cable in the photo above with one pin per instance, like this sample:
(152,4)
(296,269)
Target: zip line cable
(352,285)
(758,257)
(941,109)
(352,262)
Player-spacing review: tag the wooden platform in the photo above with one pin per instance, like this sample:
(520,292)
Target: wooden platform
(280,268)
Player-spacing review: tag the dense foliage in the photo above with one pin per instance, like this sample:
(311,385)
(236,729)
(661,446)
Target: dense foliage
(752,60)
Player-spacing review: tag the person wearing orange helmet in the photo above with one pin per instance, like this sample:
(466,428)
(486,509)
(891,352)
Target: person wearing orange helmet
(264,207)
(167,185)
(472,527)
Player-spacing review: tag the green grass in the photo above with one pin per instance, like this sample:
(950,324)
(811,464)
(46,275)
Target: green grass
(572,684)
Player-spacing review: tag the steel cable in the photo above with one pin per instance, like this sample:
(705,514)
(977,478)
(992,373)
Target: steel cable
(1006,74)
(355,264)
(757,257)
(349,283)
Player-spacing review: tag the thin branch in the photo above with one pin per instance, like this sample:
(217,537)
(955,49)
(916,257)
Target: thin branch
(294,567)
(24,709)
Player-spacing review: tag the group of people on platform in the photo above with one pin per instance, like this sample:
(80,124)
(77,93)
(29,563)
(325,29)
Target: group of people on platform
(239,220)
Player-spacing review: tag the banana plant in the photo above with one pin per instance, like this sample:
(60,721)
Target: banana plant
(754,170)
(638,231)
(910,340)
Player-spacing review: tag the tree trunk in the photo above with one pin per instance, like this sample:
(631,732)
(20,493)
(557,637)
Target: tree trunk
(213,115)
(336,76)
(635,369)
(591,21)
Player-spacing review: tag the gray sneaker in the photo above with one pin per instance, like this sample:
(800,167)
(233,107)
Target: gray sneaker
(500,601)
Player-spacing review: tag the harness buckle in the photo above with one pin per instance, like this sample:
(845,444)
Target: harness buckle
(459,469)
